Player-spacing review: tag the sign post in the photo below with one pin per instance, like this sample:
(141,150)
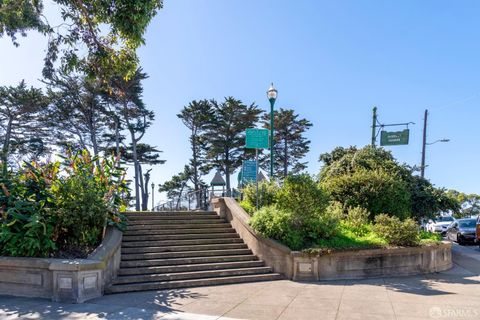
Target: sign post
(255,139)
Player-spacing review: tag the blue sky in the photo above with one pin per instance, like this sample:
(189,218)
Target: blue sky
(331,61)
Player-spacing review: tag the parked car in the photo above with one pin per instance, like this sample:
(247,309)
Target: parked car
(462,230)
(439,224)
(477,234)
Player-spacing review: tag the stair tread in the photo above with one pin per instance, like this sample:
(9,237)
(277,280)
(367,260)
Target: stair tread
(191,274)
(191,266)
(192,282)
(178,242)
(185,248)
(183,254)
(172,261)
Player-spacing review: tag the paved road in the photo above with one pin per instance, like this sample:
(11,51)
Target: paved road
(454,294)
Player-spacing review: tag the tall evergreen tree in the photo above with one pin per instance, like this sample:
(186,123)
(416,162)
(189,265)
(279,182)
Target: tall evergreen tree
(78,112)
(22,116)
(196,117)
(226,135)
(126,96)
(290,143)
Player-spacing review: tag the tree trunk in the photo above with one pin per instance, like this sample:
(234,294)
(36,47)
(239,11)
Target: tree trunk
(135,165)
(117,136)
(195,169)
(285,159)
(6,146)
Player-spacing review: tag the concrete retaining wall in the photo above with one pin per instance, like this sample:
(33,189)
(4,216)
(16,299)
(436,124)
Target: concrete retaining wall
(339,265)
(63,280)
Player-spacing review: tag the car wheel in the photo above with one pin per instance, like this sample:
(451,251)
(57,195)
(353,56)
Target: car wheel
(459,240)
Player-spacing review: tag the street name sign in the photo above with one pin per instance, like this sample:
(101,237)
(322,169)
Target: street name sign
(394,138)
(256,139)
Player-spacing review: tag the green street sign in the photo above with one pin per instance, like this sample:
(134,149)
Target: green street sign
(256,139)
(394,138)
(249,171)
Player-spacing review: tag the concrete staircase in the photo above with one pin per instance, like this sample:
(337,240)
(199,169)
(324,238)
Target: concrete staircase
(166,250)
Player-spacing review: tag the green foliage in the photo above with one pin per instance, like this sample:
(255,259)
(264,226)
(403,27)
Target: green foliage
(301,195)
(359,177)
(375,190)
(301,215)
(109,31)
(290,143)
(51,206)
(357,220)
(397,232)
(277,224)
(267,192)
(248,207)
(429,238)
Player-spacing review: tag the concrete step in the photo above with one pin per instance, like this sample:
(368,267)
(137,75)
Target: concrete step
(173,217)
(191,275)
(164,243)
(184,254)
(174,221)
(161,285)
(206,226)
(130,232)
(167,213)
(200,247)
(185,260)
(190,267)
(179,237)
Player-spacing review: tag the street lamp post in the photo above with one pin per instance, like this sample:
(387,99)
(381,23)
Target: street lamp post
(153,196)
(272,96)
(422,167)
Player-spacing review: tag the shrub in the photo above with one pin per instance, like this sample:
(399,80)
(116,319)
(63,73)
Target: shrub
(55,205)
(301,195)
(377,191)
(277,224)
(267,191)
(397,232)
(250,209)
(357,220)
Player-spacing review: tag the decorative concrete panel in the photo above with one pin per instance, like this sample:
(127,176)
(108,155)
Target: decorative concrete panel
(29,278)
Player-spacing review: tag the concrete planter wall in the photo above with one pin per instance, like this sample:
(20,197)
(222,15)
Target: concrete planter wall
(340,265)
(63,280)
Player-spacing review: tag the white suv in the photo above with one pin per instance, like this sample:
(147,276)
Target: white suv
(439,224)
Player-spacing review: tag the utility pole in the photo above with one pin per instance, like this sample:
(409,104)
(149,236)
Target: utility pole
(424,145)
(374,126)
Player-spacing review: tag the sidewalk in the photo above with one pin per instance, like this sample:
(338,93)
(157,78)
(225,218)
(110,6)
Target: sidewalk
(454,294)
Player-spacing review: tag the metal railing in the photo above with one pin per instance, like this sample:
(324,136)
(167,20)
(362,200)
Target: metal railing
(190,201)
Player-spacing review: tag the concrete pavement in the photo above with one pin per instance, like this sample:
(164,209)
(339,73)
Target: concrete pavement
(454,294)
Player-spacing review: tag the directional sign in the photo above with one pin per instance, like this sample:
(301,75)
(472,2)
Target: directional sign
(256,139)
(249,171)
(394,138)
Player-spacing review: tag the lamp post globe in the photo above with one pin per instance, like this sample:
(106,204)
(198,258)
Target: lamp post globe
(272,96)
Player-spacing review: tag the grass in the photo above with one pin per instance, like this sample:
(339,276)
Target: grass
(427,238)
(346,239)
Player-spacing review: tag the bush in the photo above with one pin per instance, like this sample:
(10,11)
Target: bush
(53,206)
(397,232)
(267,191)
(377,191)
(357,220)
(277,224)
(301,195)
(250,209)
(300,217)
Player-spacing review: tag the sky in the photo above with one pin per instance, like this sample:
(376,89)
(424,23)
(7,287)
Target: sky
(331,61)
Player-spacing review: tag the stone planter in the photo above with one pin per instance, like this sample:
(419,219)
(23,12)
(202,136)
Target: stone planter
(63,280)
(360,264)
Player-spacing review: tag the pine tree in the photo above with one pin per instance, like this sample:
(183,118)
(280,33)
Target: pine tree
(290,143)
(196,117)
(226,135)
(22,116)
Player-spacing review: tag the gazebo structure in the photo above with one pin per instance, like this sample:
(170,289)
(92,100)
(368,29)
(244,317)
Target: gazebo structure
(218,181)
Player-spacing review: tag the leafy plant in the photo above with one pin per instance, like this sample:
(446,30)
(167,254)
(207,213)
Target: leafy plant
(267,192)
(357,220)
(277,224)
(397,232)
